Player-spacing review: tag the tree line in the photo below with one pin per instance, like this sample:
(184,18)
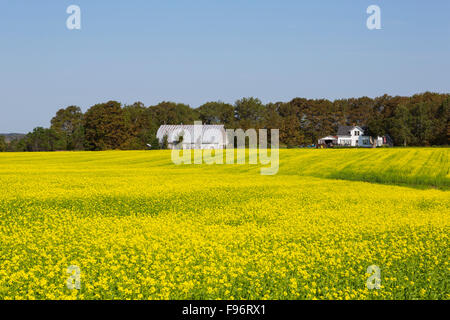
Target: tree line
(419,120)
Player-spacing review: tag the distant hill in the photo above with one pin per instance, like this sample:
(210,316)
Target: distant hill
(12,136)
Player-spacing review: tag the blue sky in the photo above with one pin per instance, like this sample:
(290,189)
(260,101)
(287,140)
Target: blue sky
(194,51)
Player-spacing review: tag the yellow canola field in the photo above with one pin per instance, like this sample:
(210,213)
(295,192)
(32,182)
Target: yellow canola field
(139,227)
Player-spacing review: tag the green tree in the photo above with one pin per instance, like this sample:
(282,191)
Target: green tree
(164,144)
(375,129)
(325,122)
(216,113)
(273,120)
(42,139)
(360,111)
(290,133)
(3,145)
(422,123)
(173,113)
(249,113)
(153,142)
(400,130)
(68,123)
(272,117)
(307,113)
(441,124)
(141,124)
(105,127)
(17,145)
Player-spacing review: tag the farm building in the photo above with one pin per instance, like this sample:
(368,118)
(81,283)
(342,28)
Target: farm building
(329,140)
(193,136)
(353,136)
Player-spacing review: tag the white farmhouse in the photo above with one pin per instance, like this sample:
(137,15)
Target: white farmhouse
(193,136)
(353,136)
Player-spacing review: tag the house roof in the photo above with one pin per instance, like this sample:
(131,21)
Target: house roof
(345,130)
(209,133)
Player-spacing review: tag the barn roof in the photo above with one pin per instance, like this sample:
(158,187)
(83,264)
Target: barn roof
(172,132)
(329,138)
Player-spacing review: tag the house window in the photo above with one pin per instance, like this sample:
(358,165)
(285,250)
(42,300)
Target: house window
(346,142)
(356,133)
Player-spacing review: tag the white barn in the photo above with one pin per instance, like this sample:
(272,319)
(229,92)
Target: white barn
(193,136)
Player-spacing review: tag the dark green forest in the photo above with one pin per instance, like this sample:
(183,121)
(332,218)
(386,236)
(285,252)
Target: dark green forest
(419,120)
